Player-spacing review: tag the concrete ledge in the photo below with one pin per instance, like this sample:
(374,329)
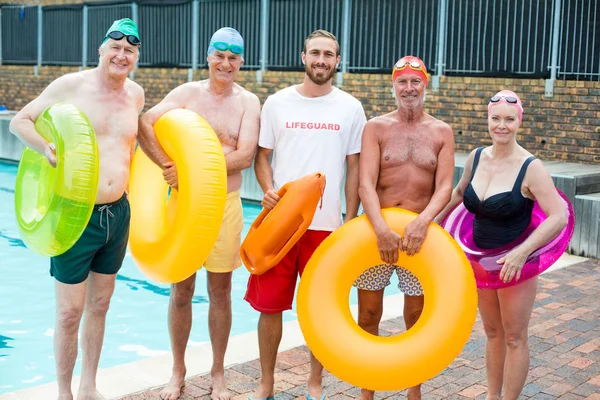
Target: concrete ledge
(586,237)
(10,147)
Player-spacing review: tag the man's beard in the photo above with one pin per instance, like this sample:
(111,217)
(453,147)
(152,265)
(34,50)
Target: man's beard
(318,79)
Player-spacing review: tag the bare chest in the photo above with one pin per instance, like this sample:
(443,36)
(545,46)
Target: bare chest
(224,118)
(419,150)
(111,118)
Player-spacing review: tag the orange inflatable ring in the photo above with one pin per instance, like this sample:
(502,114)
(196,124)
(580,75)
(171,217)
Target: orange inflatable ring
(170,240)
(386,363)
(275,231)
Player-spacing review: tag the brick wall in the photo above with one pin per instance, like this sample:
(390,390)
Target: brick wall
(564,127)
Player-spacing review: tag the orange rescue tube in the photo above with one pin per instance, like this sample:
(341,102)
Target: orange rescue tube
(386,363)
(170,239)
(276,231)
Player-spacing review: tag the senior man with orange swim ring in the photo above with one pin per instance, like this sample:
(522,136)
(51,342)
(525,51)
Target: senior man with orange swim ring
(407,161)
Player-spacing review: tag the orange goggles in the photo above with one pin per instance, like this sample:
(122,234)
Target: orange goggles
(403,67)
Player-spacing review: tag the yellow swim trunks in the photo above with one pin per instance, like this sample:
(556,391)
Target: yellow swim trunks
(225,255)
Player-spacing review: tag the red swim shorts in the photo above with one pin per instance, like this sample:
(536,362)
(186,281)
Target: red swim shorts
(273,291)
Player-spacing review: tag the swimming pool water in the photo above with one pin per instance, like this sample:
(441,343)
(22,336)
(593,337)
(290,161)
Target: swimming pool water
(136,323)
(137,320)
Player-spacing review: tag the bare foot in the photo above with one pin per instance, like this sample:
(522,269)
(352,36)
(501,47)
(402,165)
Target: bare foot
(65,396)
(414,393)
(89,395)
(367,394)
(219,387)
(264,391)
(172,391)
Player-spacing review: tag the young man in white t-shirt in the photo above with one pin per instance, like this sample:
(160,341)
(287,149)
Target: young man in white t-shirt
(307,128)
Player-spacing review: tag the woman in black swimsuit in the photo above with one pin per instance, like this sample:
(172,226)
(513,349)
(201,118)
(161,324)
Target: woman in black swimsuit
(499,185)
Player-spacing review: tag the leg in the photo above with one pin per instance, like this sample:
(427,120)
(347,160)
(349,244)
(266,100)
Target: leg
(270,294)
(71,271)
(315,379)
(495,347)
(370,310)
(219,324)
(516,305)
(371,285)
(105,264)
(70,301)
(413,306)
(180,325)
(100,288)
(223,259)
(270,328)
(306,247)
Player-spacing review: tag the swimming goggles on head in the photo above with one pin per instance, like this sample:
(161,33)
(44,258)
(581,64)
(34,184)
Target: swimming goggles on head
(509,99)
(414,65)
(116,35)
(223,46)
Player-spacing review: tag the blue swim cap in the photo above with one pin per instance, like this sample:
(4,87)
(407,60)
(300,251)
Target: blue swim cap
(226,39)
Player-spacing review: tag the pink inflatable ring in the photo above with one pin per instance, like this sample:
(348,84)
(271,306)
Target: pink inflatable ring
(459,223)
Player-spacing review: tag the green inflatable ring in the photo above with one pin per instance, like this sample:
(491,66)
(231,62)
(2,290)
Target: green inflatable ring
(54,205)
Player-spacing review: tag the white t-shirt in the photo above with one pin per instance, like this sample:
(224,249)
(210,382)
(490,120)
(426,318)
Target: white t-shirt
(309,135)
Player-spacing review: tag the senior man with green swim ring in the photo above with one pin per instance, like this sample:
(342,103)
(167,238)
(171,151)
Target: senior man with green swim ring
(54,202)
(104,103)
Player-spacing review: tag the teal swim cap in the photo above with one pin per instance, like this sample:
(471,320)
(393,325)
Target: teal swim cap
(125,26)
(226,39)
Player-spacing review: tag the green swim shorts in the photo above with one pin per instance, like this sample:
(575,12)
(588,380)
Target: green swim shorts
(101,248)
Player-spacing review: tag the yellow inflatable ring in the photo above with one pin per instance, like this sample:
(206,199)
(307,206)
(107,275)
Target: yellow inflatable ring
(170,239)
(54,205)
(386,363)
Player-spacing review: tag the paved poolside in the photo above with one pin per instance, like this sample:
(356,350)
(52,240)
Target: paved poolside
(564,342)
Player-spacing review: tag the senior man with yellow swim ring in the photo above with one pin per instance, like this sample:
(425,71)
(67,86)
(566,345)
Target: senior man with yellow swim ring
(234,114)
(407,161)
